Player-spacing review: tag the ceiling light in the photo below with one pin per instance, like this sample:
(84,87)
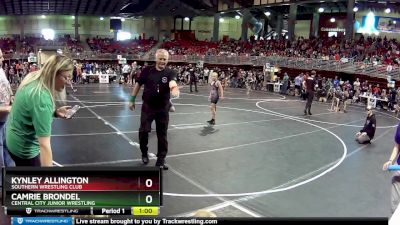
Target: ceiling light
(333,20)
(355,9)
(321,10)
(186,19)
(101,18)
(387,10)
(221,20)
(267,13)
(237,17)
(48,34)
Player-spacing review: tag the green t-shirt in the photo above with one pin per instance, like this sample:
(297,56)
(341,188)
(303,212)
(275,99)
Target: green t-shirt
(31,117)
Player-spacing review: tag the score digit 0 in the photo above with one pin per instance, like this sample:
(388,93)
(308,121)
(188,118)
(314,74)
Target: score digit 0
(149,199)
(149,183)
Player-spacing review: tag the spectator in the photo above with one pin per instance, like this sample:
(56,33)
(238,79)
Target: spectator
(5,107)
(366,134)
(394,157)
(29,128)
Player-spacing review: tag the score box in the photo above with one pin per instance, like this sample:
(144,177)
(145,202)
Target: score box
(66,187)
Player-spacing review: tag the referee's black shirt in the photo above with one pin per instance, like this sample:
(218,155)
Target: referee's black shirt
(156,92)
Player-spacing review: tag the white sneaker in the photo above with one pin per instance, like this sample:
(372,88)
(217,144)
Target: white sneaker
(172,109)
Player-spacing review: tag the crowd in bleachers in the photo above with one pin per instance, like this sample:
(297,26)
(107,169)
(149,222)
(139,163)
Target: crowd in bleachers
(71,45)
(74,45)
(375,50)
(364,49)
(182,47)
(109,45)
(7,45)
(68,43)
(369,50)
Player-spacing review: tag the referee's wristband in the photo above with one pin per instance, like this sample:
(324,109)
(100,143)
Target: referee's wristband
(132,99)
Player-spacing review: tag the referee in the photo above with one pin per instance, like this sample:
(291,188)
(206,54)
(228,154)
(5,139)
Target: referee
(309,85)
(158,82)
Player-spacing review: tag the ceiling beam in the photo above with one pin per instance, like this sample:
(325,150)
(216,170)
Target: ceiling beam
(2,2)
(104,8)
(87,6)
(71,3)
(110,8)
(98,6)
(117,7)
(78,7)
(63,10)
(13,7)
(93,4)
(56,6)
(20,7)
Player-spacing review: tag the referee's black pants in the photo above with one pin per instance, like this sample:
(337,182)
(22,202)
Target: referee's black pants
(310,97)
(195,85)
(161,116)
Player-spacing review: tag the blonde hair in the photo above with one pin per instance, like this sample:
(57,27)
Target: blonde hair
(46,76)
(204,213)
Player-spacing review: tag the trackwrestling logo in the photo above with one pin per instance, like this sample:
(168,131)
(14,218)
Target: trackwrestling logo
(42,220)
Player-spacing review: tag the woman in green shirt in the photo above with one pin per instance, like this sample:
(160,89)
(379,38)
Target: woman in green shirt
(29,125)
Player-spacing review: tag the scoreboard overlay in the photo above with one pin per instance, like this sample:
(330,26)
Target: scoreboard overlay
(36,191)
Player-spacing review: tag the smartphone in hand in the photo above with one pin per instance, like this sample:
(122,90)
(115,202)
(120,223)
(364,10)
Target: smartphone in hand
(72,112)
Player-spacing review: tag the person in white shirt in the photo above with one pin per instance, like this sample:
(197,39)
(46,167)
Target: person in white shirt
(109,71)
(125,72)
(133,73)
(5,108)
(206,73)
(357,84)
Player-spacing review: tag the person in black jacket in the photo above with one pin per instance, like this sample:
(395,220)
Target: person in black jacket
(367,133)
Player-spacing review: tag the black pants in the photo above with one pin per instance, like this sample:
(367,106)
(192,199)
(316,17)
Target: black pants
(310,97)
(195,85)
(125,75)
(391,105)
(35,161)
(133,78)
(303,95)
(161,116)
